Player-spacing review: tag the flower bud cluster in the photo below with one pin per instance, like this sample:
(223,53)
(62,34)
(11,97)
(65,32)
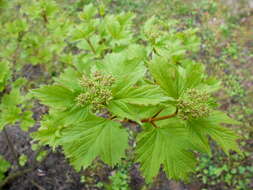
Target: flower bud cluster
(194,104)
(97,91)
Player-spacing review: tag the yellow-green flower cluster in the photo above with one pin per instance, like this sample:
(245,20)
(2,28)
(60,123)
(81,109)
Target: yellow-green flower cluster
(194,104)
(97,91)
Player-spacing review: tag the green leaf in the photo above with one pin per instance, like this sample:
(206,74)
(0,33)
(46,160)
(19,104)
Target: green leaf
(120,64)
(210,85)
(175,79)
(50,7)
(171,49)
(123,110)
(225,137)
(167,76)
(26,120)
(143,95)
(89,11)
(126,71)
(22,159)
(133,112)
(211,126)
(52,124)
(41,155)
(83,31)
(73,115)
(126,82)
(125,18)
(4,74)
(167,146)
(149,111)
(55,96)
(48,131)
(93,138)
(194,75)
(4,166)
(95,41)
(113,27)
(220,117)
(69,79)
(136,51)
(12,99)
(19,83)
(150,25)
(9,116)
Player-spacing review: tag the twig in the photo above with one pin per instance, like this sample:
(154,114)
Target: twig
(149,120)
(157,113)
(44,16)
(113,117)
(14,176)
(153,123)
(37,185)
(21,173)
(11,146)
(91,46)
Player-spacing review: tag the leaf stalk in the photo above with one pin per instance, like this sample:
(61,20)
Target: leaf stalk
(153,119)
(91,46)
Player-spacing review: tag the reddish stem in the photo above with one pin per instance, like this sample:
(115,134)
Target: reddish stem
(150,120)
(157,113)
(153,123)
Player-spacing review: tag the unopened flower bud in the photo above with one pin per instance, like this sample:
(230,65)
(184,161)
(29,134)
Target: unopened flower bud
(98,92)
(194,104)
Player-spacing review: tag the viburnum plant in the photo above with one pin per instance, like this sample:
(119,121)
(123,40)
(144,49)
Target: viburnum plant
(32,32)
(14,107)
(4,166)
(148,78)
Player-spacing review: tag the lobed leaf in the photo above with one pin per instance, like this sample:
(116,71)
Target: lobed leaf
(143,95)
(55,96)
(166,75)
(93,138)
(211,126)
(167,146)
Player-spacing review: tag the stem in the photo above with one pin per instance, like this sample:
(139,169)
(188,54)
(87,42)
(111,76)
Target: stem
(157,113)
(113,117)
(91,46)
(44,16)
(11,146)
(150,120)
(153,123)
(37,185)
(21,173)
(14,176)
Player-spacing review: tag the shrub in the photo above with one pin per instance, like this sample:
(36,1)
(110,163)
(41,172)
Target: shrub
(114,75)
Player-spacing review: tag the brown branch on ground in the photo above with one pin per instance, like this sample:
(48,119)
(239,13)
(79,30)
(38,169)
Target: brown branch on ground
(12,148)
(14,176)
(17,174)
